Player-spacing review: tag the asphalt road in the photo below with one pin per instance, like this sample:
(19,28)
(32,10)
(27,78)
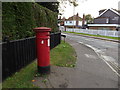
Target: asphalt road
(90,70)
(106,50)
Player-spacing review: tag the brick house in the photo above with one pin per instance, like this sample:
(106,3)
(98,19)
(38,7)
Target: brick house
(108,19)
(74,21)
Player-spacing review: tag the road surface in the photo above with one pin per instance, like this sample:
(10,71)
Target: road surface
(106,50)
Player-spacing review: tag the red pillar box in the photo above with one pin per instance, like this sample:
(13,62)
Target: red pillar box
(43,49)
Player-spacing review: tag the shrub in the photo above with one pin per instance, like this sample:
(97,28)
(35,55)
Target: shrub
(19,19)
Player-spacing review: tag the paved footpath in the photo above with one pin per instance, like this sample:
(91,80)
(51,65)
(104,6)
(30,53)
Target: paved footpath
(90,72)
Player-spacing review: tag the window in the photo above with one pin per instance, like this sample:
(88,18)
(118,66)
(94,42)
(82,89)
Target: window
(107,20)
(115,18)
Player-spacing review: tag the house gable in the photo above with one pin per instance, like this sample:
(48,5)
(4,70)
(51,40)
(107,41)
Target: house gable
(108,19)
(109,16)
(112,10)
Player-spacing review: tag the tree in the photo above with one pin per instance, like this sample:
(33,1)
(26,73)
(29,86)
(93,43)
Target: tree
(89,18)
(63,4)
(73,2)
(53,6)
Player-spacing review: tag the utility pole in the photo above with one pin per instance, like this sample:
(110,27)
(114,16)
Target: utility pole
(74,3)
(73,17)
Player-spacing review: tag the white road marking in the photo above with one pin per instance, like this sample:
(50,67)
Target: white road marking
(103,57)
(90,56)
(81,42)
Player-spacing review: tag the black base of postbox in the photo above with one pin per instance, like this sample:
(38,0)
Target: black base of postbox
(44,70)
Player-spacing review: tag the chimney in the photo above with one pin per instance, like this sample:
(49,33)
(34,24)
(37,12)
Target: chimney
(62,21)
(63,18)
(77,19)
(83,20)
(60,18)
(101,11)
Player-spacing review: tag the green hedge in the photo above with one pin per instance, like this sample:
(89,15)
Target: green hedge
(19,19)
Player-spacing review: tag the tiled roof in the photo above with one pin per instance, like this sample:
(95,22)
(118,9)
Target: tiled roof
(74,18)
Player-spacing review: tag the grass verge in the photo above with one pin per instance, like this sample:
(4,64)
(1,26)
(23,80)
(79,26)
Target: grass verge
(62,55)
(116,38)
(22,79)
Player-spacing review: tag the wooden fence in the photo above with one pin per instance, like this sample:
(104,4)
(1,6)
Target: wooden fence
(19,53)
(94,32)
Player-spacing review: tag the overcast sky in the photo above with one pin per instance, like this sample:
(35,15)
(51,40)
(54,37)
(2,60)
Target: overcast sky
(90,7)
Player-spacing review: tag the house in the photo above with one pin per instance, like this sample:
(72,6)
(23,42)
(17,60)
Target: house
(74,22)
(108,19)
(61,21)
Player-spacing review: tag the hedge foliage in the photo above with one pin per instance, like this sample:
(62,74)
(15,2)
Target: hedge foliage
(19,19)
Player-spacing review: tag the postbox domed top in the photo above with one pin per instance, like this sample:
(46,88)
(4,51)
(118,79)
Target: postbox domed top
(42,29)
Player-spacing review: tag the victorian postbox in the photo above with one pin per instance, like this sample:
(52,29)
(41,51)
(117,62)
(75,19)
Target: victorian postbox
(43,49)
